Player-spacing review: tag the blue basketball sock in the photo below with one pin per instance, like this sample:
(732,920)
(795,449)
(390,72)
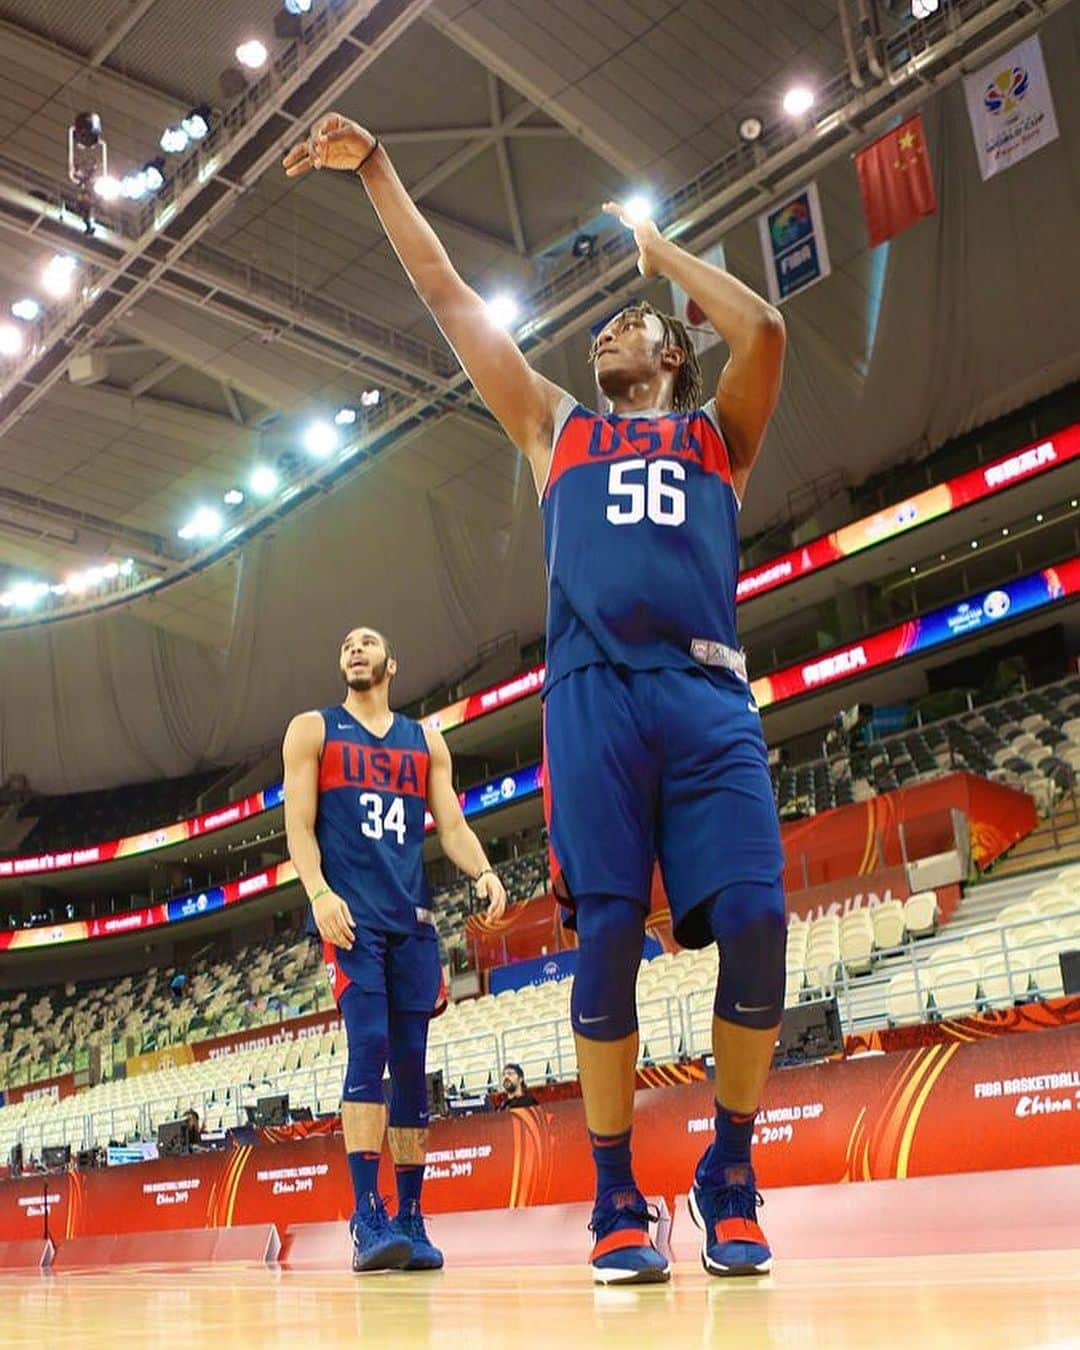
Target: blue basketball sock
(364,1170)
(731,1147)
(611,1154)
(410,1177)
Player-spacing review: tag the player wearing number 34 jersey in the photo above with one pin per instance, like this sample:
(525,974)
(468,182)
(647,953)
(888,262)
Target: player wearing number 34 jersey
(653,746)
(359,781)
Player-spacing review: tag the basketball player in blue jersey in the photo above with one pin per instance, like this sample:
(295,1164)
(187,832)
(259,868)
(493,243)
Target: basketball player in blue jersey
(653,744)
(358,778)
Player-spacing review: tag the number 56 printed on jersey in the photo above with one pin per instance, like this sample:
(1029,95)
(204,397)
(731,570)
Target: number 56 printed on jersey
(640,489)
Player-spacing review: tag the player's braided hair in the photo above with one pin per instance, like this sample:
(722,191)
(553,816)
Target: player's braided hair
(686,393)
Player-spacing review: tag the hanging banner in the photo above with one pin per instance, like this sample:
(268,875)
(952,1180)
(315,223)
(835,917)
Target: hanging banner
(689,313)
(793,244)
(895,182)
(1011,108)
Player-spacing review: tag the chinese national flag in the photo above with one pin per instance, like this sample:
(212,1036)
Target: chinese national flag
(895,182)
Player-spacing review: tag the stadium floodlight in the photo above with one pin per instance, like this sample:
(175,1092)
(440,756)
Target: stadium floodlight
(234,497)
(11,340)
(263,481)
(638,208)
(750,129)
(252,54)
(196,124)
(174,140)
(58,275)
(370,398)
(204,524)
(154,174)
(798,100)
(345,417)
(134,186)
(298,6)
(922,9)
(26,309)
(108,188)
(127,567)
(24,594)
(320,439)
(502,309)
(110,571)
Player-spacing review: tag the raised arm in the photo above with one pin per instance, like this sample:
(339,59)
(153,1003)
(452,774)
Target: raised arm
(749,384)
(458,841)
(301,751)
(522,400)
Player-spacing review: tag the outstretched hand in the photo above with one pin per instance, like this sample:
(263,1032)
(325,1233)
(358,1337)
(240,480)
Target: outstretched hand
(647,237)
(335,143)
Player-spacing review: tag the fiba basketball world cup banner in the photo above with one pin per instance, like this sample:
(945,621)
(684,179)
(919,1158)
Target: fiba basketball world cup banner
(1011,108)
(793,244)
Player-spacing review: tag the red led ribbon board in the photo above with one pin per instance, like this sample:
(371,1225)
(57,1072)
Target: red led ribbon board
(1003,1102)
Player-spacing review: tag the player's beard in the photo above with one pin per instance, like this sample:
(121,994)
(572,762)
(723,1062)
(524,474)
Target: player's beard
(360,684)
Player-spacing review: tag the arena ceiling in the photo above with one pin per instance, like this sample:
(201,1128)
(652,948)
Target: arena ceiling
(202,338)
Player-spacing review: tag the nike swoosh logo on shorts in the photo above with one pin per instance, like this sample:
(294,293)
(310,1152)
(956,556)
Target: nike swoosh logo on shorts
(741,1007)
(587,1021)
(343,726)
(752,707)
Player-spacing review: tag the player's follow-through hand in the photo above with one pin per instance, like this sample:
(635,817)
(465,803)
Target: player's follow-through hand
(647,237)
(335,143)
(333,920)
(491,889)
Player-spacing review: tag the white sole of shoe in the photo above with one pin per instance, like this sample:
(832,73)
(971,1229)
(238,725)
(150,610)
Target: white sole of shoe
(714,1267)
(612,1275)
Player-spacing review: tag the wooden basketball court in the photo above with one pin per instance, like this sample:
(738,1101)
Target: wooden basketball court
(1025,1299)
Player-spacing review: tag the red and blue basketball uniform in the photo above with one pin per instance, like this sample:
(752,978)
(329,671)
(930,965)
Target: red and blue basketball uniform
(370,831)
(653,744)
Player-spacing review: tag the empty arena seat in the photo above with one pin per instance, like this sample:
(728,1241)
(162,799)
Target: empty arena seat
(888,923)
(921,913)
(906,998)
(856,941)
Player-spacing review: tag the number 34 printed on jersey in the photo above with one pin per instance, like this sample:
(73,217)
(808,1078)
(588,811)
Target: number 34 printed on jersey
(380,819)
(641,489)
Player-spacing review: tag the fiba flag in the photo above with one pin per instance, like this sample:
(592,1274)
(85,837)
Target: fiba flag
(895,182)
(687,310)
(1010,107)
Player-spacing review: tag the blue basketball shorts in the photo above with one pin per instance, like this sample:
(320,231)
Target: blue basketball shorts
(403,966)
(666,765)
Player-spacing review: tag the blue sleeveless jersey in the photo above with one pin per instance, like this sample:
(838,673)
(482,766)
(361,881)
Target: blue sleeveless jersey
(370,821)
(640,540)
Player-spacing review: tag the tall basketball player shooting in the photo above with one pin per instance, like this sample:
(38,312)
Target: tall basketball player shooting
(357,779)
(653,743)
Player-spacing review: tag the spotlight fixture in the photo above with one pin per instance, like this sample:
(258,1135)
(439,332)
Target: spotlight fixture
(1039,518)
(204,524)
(154,174)
(263,480)
(750,129)
(913,569)
(798,100)
(11,340)
(922,9)
(108,188)
(370,398)
(24,594)
(1004,531)
(59,274)
(134,186)
(252,54)
(174,140)
(26,309)
(196,124)
(638,208)
(345,417)
(234,497)
(584,246)
(502,310)
(320,439)
(298,6)
(974,543)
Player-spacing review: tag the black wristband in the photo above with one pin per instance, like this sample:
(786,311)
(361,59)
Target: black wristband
(484,874)
(374,147)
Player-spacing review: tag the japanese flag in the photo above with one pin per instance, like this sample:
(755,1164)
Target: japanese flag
(686,309)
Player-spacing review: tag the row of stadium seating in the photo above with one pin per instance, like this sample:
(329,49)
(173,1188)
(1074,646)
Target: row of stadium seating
(991,964)
(1031,741)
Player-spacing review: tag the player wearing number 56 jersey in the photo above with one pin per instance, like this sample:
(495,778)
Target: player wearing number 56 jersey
(359,780)
(653,746)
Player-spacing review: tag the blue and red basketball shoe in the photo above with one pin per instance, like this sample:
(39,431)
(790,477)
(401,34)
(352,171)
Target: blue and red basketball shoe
(726,1212)
(623,1252)
(410,1224)
(377,1244)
